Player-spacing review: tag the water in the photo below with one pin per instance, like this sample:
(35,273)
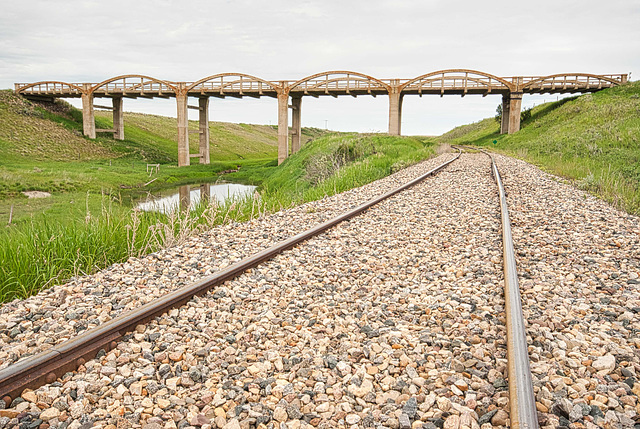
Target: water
(190,196)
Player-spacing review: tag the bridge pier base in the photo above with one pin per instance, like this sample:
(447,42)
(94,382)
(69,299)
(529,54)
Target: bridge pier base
(395,113)
(515,104)
(296,123)
(183,130)
(88,118)
(203,108)
(283,127)
(118,118)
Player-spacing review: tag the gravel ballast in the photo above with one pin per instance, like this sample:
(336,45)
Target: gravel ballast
(392,319)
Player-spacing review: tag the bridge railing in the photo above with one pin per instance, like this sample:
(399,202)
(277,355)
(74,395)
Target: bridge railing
(134,85)
(49,88)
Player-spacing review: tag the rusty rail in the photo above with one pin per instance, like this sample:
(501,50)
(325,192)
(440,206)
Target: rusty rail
(47,366)
(522,402)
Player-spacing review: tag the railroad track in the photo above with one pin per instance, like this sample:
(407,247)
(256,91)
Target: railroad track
(52,364)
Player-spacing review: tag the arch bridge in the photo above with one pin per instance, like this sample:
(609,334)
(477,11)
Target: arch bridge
(289,94)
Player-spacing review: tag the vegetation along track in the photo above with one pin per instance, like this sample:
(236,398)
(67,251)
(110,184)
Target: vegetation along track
(56,362)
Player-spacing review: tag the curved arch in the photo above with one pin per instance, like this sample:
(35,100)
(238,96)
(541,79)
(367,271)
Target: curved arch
(55,84)
(542,80)
(452,75)
(230,84)
(347,74)
(141,84)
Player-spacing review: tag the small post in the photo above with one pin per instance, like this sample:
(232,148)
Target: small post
(10,215)
(296,123)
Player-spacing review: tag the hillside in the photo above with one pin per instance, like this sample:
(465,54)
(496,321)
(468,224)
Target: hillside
(42,149)
(593,139)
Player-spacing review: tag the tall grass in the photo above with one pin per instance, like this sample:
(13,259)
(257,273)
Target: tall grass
(40,253)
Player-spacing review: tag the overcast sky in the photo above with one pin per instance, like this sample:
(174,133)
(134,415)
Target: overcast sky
(90,41)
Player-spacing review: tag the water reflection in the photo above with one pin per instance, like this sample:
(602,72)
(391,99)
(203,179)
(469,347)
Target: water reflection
(187,198)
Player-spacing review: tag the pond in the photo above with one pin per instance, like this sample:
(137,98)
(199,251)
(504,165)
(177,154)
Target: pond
(190,195)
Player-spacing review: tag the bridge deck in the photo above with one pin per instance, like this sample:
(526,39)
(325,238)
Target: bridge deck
(450,82)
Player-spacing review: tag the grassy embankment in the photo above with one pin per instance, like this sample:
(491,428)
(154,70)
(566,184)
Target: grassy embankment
(592,140)
(85,227)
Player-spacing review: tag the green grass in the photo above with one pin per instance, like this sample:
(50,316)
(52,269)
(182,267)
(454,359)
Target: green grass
(336,163)
(593,140)
(42,252)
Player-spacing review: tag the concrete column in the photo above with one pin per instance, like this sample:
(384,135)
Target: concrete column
(118,118)
(395,113)
(88,119)
(183,130)
(203,104)
(504,121)
(296,123)
(283,127)
(515,103)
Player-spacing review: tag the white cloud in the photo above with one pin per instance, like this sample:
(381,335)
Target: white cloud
(80,40)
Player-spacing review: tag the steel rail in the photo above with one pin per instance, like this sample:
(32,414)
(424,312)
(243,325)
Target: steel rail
(46,367)
(522,404)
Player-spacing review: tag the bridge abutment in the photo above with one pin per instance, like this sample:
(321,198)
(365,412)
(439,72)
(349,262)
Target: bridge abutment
(183,129)
(296,123)
(395,112)
(283,126)
(118,118)
(203,109)
(88,118)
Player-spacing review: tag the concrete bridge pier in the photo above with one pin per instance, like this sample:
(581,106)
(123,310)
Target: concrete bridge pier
(395,112)
(183,128)
(203,109)
(118,118)
(515,105)
(504,121)
(283,126)
(296,123)
(88,118)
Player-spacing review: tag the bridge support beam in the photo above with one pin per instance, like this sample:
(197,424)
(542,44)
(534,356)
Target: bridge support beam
(183,130)
(504,121)
(296,123)
(283,127)
(118,118)
(88,118)
(203,105)
(395,113)
(515,104)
